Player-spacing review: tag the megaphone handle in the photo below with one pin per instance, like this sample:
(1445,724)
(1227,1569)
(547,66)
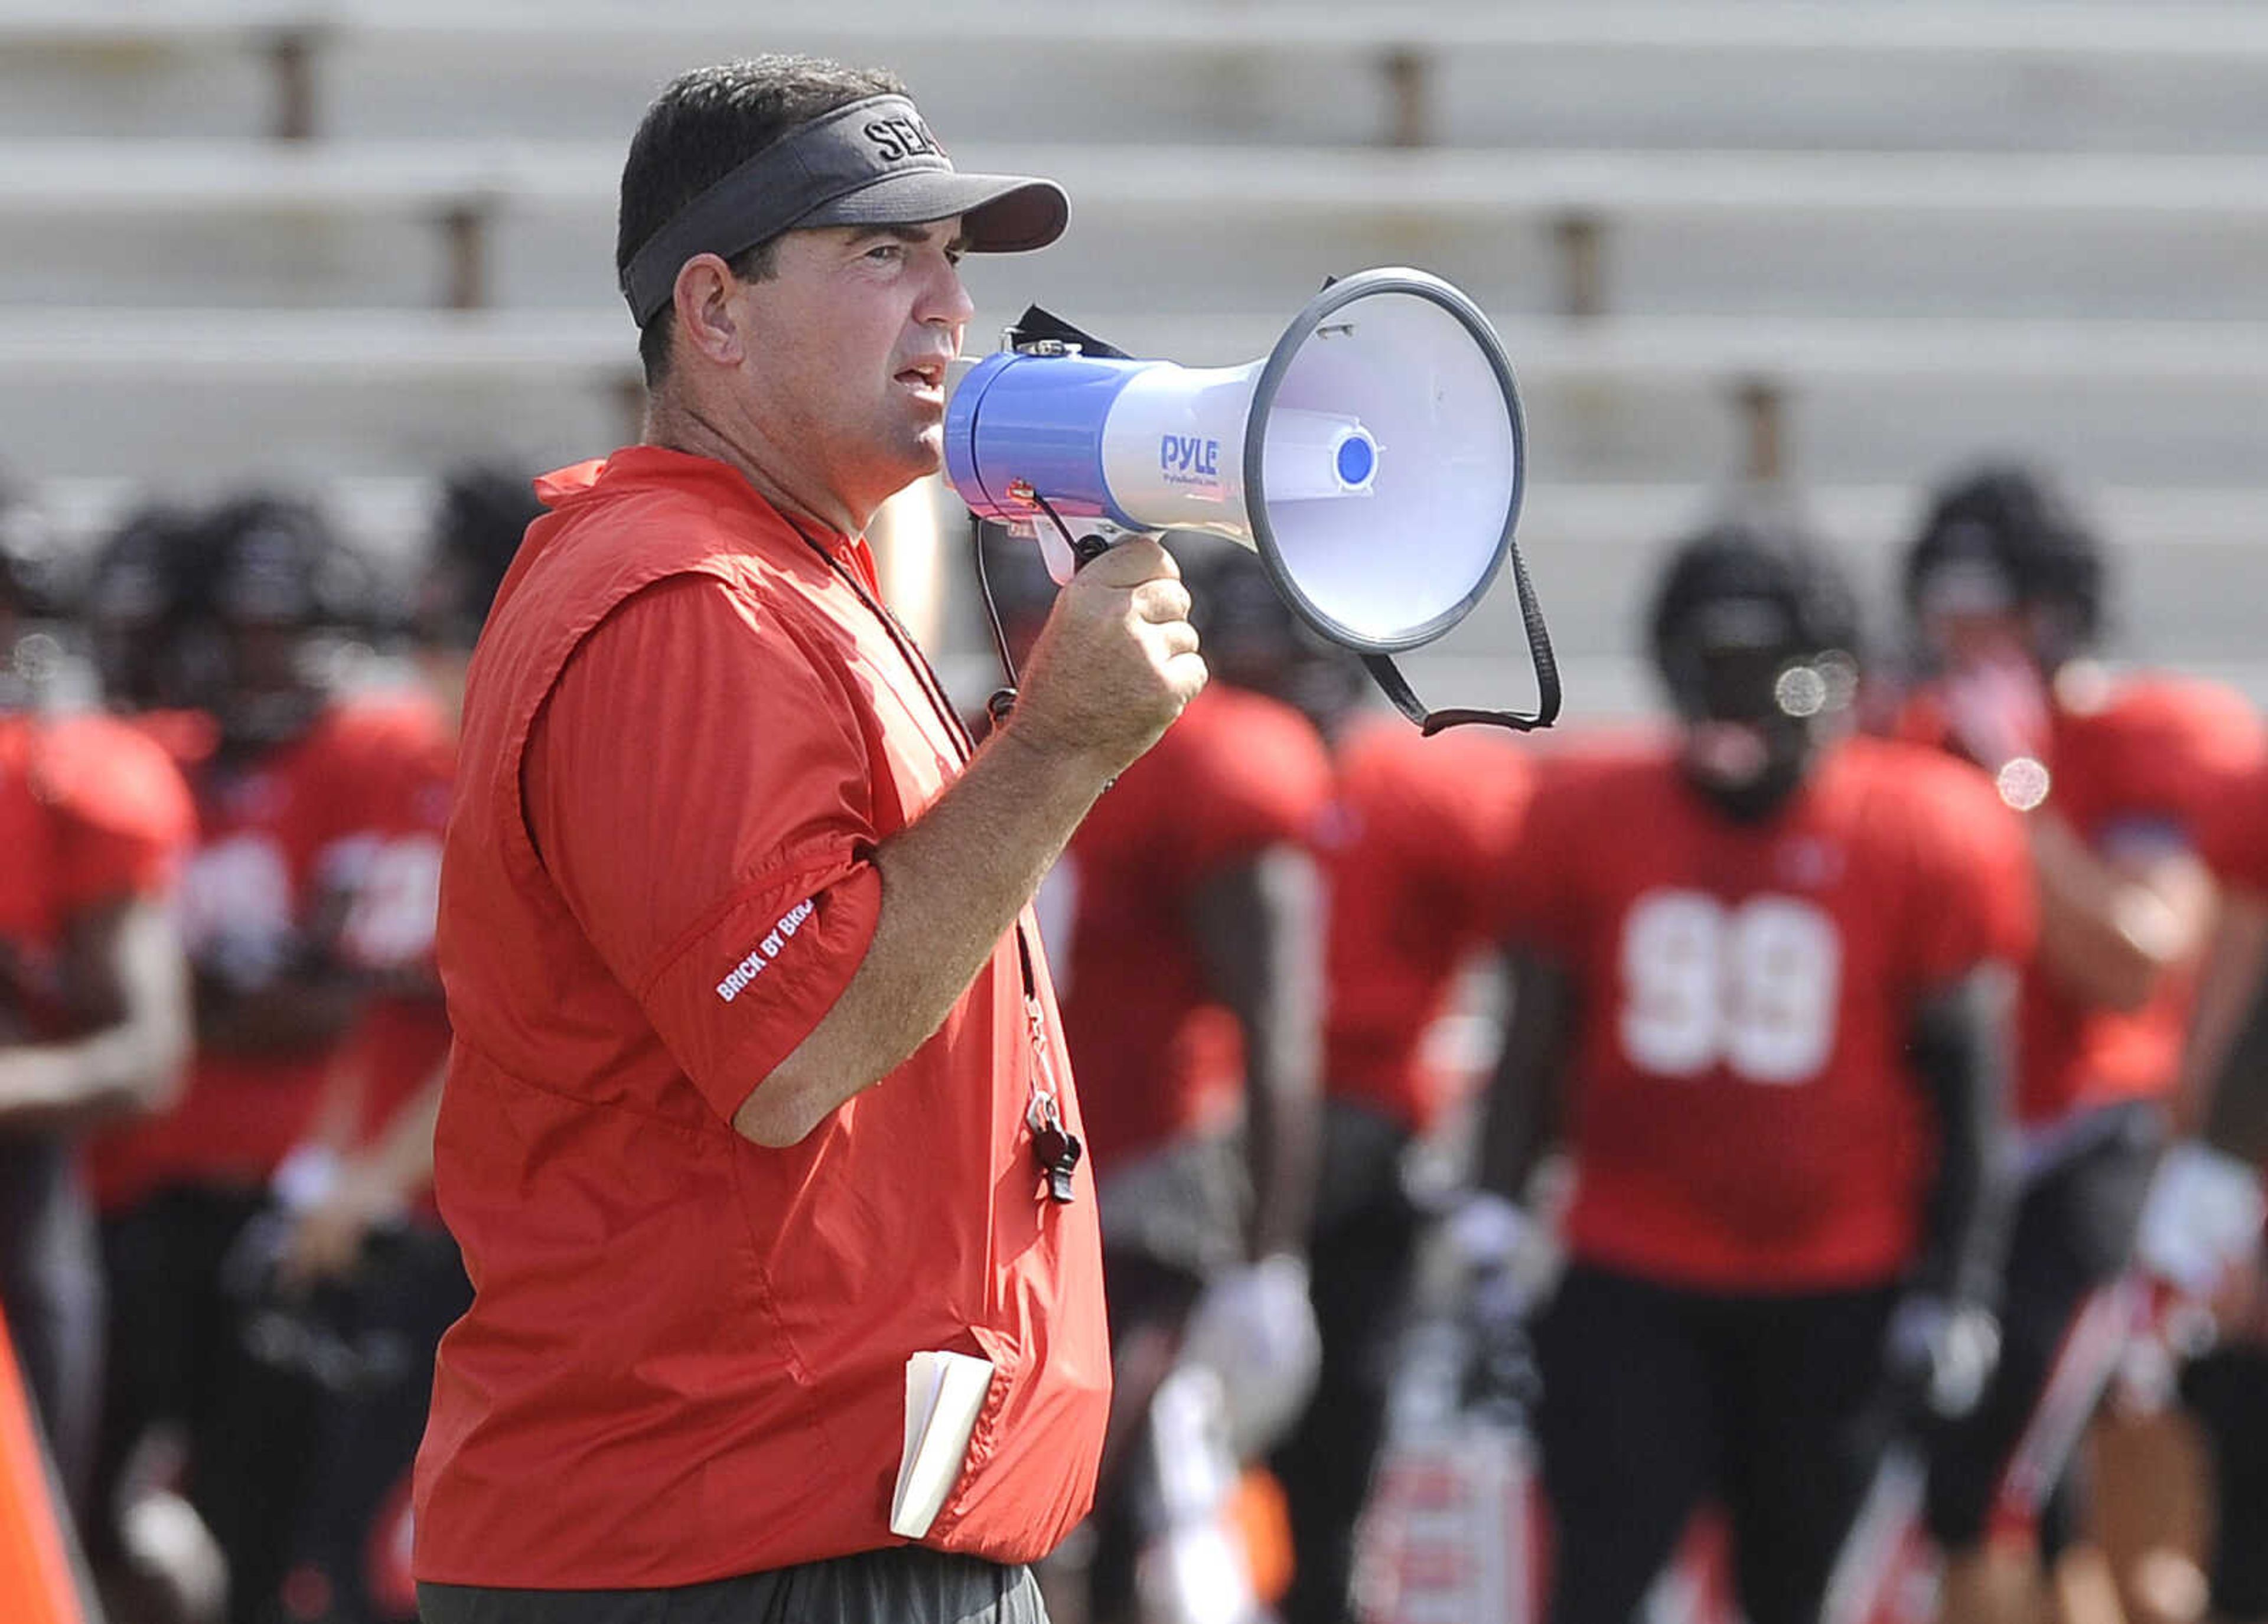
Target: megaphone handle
(1396,687)
(1083,550)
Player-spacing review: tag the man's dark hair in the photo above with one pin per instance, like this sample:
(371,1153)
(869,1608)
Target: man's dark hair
(703,126)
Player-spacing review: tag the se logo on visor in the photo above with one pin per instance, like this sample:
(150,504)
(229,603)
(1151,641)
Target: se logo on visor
(902,138)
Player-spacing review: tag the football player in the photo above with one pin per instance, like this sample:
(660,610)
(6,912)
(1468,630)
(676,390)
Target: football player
(372,1248)
(94,823)
(243,606)
(2006,587)
(2201,1232)
(1763,1004)
(1183,929)
(1411,825)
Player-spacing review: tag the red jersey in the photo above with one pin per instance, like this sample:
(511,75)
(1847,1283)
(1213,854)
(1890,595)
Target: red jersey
(282,844)
(92,813)
(687,730)
(2137,767)
(2134,776)
(1741,1115)
(1417,831)
(1157,1055)
(387,933)
(2234,839)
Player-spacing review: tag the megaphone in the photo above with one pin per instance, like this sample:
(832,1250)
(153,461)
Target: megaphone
(1373,459)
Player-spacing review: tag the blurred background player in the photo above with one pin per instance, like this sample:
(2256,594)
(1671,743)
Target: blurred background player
(1184,928)
(142,602)
(2201,1240)
(1765,1010)
(1415,830)
(391,1070)
(370,1248)
(230,621)
(94,1010)
(2006,584)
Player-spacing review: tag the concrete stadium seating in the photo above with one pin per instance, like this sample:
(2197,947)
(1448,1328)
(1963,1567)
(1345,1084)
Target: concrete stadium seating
(1838,246)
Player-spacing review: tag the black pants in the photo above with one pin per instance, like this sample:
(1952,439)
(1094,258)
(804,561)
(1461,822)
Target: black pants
(907,1584)
(2227,1390)
(1362,1252)
(182,1353)
(51,1289)
(378,1334)
(2073,1234)
(1169,1219)
(1656,1399)
(1145,1295)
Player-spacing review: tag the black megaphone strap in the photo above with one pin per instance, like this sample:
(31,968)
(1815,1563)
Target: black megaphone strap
(1396,687)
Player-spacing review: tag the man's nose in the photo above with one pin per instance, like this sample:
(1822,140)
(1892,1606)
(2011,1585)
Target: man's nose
(948,302)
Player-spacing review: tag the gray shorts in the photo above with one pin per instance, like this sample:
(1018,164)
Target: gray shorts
(904,1585)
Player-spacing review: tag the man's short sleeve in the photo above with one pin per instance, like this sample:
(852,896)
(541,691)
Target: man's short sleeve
(700,791)
(2166,750)
(127,822)
(1526,898)
(1255,776)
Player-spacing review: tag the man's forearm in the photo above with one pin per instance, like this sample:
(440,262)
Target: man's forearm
(55,1087)
(1260,931)
(1519,1117)
(2108,933)
(2236,1114)
(404,1155)
(1959,1045)
(952,882)
(132,1062)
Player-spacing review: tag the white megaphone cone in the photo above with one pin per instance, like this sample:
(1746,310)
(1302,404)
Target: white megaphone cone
(1373,459)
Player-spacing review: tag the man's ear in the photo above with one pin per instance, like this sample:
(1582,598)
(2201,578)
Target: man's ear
(707,319)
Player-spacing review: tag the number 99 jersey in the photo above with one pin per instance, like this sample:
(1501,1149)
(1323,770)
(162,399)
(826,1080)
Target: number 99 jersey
(1740,1109)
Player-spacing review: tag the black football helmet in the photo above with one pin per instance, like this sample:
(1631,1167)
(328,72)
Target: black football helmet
(1755,632)
(479,520)
(1253,640)
(142,598)
(279,592)
(2001,538)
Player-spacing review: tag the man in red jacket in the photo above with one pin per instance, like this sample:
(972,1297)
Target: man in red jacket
(757,1089)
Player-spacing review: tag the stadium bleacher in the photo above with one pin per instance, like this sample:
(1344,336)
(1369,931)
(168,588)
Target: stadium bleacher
(345,242)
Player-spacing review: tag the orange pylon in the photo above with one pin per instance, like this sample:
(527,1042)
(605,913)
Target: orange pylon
(38,1584)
